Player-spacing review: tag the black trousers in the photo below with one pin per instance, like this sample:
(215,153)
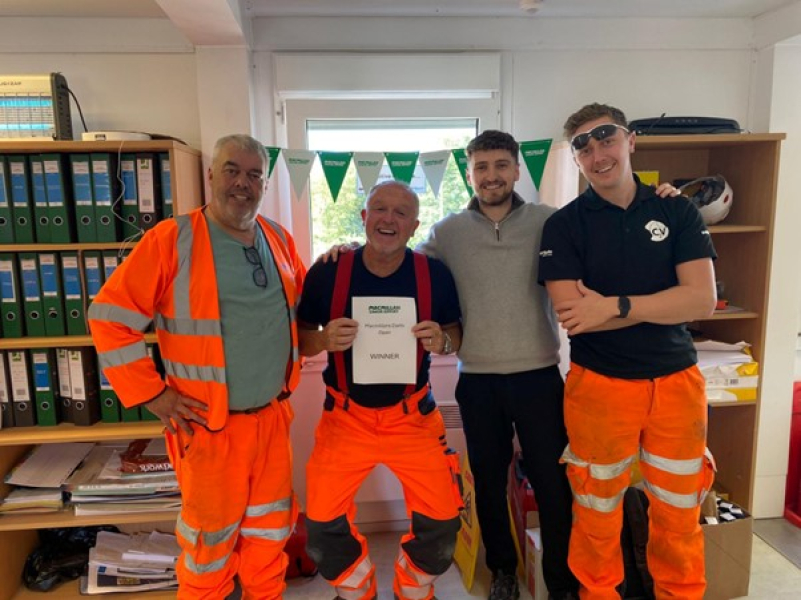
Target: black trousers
(494,407)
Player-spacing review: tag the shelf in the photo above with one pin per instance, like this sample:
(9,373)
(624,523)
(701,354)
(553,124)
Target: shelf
(718,229)
(727,316)
(65,247)
(717,140)
(66,518)
(731,403)
(35,147)
(69,341)
(69,591)
(67,432)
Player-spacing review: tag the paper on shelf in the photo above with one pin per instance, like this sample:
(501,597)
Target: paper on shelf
(49,465)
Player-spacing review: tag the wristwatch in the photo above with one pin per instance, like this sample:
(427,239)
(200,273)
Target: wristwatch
(447,347)
(623,307)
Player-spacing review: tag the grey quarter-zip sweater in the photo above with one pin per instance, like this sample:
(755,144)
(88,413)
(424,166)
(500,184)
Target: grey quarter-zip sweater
(509,324)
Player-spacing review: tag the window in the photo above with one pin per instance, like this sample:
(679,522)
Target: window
(377,125)
(335,222)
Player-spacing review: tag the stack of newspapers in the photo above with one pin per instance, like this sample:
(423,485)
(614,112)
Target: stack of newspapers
(131,563)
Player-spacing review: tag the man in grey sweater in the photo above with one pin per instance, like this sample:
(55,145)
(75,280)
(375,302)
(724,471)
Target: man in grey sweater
(509,380)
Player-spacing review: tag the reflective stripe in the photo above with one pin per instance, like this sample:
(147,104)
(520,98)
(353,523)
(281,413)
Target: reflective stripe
(605,505)
(122,356)
(601,472)
(677,500)
(190,534)
(109,312)
(295,354)
(210,538)
(357,578)
(259,510)
(180,284)
(275,534)
(189,326)
(689,466)
(423,579)
(415,593)
(277,230)
(194,372)
(211,567)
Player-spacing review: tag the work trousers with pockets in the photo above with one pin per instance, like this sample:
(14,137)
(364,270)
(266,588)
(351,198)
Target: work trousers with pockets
(409,439)
(238,506)
(494,407)
(610,422)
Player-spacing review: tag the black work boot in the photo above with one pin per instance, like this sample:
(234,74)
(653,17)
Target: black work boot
(504,586)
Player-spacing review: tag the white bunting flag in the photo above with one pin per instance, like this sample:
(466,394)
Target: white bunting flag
(434,165)
(368,167)
(299,163)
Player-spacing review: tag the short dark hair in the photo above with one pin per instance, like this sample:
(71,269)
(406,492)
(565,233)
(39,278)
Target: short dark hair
(492,139)
(590,112)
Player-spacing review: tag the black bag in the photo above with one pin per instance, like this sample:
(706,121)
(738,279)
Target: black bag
(638,582)
(63,554)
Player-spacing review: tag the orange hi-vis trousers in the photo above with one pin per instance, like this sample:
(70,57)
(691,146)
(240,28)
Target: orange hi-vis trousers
(609,422)
(349,442)
(238,506)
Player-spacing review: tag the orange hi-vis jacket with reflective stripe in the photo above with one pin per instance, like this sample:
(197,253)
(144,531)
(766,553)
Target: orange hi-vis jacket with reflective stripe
(170,278)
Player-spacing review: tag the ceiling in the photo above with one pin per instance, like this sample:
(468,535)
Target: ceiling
(407,8)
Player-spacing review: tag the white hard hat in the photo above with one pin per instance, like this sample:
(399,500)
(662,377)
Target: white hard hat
(712,195)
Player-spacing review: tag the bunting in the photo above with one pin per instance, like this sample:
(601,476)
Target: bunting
(402,165)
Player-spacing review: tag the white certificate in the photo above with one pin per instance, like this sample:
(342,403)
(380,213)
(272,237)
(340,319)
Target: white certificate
(385,349)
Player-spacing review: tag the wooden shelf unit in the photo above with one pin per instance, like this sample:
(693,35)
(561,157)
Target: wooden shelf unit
(744,243)
(19,533)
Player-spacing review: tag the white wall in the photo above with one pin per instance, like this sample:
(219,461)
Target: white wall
(783,115)
(154,93)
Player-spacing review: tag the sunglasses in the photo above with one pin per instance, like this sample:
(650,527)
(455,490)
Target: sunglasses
(600,133)
(259,274)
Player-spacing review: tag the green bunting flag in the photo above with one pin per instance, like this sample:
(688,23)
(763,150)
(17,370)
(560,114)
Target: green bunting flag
(273,153)
(535,155)
(460,156)
(335,166)
(402,165)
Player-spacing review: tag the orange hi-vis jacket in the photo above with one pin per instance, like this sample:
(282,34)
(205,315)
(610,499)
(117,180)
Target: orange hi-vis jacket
(170,278)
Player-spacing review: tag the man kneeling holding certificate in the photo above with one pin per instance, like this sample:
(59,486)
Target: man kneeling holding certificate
(377,311)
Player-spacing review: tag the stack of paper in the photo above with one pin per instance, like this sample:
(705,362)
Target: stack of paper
(100,487)
(32,500)
(131,563)
(730,372)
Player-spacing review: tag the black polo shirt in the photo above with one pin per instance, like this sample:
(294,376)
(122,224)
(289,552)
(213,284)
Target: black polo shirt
(315,309)
(630,252)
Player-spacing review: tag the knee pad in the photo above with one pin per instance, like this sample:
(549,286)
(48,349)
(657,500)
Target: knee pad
(332,546)
(431,549)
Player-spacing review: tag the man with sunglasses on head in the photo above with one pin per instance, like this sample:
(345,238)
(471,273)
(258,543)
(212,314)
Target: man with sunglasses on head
(626,270)
(395,424)
(221,284)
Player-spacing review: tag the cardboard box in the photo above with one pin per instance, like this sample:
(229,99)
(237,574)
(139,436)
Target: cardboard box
(727,551)
(534,579)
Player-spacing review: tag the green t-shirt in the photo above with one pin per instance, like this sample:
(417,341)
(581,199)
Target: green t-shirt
(254,320)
